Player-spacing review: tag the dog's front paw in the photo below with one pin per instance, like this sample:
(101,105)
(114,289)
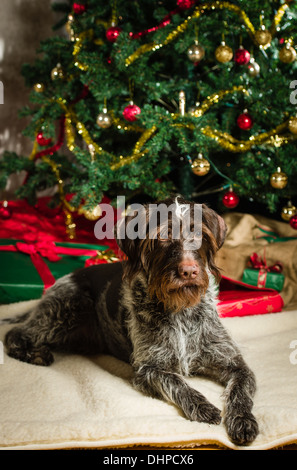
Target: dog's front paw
(242,429)
(205,413)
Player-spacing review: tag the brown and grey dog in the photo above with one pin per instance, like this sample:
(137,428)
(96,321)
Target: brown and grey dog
(157,310)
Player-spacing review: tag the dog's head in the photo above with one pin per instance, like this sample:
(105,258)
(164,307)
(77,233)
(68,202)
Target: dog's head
(173,242)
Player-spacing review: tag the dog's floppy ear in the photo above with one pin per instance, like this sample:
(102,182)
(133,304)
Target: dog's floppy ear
(129,233)
(215,224)
(214,232)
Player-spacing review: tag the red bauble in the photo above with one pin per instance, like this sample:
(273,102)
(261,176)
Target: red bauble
(5,211)
(293,222)
(185,4)
(131,111)
(42,140)
(79,8)
(112,33)
(245,121)
(242,56)
(230,199)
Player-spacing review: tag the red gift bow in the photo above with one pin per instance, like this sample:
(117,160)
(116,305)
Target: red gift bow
(258,263)
(46,249)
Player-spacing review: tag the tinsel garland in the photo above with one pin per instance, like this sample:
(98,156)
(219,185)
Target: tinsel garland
(66,207)
(215,98)
(196,14)
(272,137)
(225,140)
(146,135)
(78,40)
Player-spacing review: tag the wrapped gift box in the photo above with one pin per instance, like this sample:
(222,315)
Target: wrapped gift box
(261,275)
(259,278)
(238,299)
(28,269)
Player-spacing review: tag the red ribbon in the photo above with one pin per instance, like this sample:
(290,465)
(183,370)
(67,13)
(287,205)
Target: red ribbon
(258,263)
(49,250)
(166,21)
(59,143)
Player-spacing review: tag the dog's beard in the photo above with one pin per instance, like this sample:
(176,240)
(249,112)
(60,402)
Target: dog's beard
(177,295)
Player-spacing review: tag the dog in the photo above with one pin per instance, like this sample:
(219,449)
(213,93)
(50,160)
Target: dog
(155,310)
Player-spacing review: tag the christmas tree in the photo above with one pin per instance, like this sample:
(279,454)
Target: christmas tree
(158,97)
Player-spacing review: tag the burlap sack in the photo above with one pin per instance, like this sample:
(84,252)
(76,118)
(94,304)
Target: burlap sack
(242,240)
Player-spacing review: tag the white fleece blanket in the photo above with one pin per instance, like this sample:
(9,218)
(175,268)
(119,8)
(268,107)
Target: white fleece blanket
(88,402)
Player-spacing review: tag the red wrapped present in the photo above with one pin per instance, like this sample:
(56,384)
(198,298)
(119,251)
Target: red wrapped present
(237,299)
(37,222)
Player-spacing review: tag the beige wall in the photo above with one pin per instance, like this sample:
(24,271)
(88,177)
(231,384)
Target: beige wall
(23,24)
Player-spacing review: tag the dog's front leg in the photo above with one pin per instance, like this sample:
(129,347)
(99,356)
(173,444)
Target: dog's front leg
(171,387)
(241,424)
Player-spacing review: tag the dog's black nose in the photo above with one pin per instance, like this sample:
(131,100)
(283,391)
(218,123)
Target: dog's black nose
(188,270)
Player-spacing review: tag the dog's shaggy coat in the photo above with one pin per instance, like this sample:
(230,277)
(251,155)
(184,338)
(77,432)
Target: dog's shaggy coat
(157,311)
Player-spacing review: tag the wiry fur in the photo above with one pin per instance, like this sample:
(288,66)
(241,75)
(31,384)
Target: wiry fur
(148,312)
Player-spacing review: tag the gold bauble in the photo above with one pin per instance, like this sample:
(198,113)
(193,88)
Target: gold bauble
(57,72)
(39,87)
(196,52)
(253,68)
(200,166)
(287,54)
(292,125)
(278,179)
(92,214)
(104,120)
(223,53)
(263,37)
(288,211)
